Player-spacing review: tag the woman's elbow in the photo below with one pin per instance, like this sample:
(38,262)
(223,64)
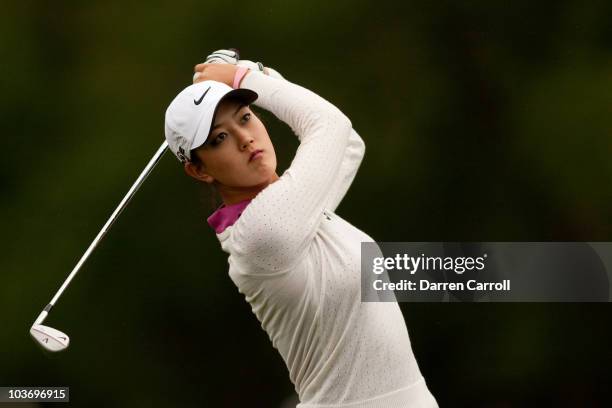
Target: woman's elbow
(345,123)
(356,145)
(359,146)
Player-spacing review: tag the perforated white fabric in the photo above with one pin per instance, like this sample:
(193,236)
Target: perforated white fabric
(298,265)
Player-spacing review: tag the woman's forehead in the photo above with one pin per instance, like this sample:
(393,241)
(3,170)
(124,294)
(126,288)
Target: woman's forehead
(229,106)
(226,110)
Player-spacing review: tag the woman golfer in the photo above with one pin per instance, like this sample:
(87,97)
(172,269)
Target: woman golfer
(296,262)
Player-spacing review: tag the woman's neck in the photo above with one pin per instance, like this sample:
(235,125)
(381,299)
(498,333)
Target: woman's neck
(235,195)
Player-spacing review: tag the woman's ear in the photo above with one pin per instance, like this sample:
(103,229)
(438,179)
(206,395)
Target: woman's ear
(197,172)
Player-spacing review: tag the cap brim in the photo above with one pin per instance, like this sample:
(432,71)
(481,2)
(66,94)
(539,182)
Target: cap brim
(244,95)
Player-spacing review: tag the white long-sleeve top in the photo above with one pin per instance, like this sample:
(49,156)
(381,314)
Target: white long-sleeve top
(298,265)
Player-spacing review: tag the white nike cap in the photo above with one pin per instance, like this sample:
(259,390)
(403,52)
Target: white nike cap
(190,115)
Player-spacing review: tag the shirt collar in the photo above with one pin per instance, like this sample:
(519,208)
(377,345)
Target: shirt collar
(226,216)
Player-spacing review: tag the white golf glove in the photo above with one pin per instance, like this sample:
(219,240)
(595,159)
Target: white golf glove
(232,56)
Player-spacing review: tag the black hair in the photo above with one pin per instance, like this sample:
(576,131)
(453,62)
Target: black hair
(195,159)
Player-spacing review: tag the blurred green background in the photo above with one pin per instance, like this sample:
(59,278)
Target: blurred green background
(484,121)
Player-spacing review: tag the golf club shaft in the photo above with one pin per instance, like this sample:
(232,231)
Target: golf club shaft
(105,228)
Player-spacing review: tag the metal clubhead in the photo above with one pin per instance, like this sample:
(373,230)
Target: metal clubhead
(50,338)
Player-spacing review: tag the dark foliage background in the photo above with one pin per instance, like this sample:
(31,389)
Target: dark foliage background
(484,121)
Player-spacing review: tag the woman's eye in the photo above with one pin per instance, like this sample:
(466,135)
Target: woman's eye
(220,137)
(246,117)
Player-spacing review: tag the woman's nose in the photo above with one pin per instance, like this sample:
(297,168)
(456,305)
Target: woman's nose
(244,139)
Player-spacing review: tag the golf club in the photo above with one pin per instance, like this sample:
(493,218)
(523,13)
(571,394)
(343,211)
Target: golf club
(52,339)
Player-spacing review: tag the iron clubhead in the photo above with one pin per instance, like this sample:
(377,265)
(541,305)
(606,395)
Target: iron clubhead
(49,338)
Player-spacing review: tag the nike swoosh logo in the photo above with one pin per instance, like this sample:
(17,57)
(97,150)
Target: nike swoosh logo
(201,97)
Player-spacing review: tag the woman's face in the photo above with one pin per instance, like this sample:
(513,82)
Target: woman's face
(227,156)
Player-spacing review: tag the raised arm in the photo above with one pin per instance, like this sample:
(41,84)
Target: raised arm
(355,148)
(351,159)
(277,226)
(353,155)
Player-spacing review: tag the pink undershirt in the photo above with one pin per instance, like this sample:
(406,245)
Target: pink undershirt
(226,216)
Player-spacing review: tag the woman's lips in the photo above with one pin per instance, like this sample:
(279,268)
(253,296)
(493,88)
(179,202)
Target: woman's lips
(256,154)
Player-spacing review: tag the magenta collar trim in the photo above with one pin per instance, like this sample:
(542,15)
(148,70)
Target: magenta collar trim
(226,216)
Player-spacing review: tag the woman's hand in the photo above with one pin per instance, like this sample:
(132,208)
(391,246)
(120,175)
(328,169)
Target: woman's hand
(215,72)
